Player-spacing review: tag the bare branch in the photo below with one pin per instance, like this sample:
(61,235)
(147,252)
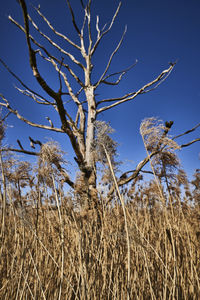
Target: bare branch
(32,39)
(20,145)
(83,25)
(124,175)
(87,9)
(20,151)
(32,144)
(190,143)
(120,73)
(72,95)
(97,28)
(34,97)
(19,80)
(111,58)
(73,18)
(116,99)
(32,56)
(50,122)
(45,50)
(82,4)
(56,45)
(6,116)
(73,125)
(59,77)
(186,132)
(52,61)
(35,142)
(20,117)
(55,31)
(78,93)
(142,90)
(65,125)
(124,180)
(65,175)
(103,33)
(77,118)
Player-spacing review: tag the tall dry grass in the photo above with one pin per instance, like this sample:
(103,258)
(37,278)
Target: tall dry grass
(59,253)
(145,246)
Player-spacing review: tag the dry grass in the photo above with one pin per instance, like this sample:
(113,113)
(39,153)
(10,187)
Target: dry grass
(145,246)
(62,254)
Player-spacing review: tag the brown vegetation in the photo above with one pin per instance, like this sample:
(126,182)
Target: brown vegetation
(53,250)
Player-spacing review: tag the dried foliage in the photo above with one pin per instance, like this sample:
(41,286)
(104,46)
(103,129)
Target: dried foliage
(155,135)
(90,261)
(103,139)
(196,184)
(50,153)
(50,156)
(52,250)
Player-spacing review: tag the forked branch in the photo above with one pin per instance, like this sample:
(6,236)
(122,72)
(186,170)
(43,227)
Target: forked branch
(74,60)
(49,55)
(55,31)
(110,59)
(20,117)
(101,34)
(152,85)
(187,132)
(20,81)
(35,98)
(120,73)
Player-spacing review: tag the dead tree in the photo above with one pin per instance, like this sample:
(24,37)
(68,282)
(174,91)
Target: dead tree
(81,129)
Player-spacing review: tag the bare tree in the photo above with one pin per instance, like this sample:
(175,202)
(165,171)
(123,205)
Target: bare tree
(80,129)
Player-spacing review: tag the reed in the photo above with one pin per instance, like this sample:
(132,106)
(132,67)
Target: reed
(62,253)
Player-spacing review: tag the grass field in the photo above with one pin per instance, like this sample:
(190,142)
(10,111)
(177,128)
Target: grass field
(60,253)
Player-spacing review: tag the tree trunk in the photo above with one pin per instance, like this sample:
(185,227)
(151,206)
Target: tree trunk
(87,179)
(85,189)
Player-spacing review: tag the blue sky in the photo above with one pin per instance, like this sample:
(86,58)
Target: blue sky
(158,32)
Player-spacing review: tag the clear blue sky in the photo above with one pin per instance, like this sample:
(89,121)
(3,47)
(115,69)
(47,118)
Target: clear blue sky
(158,32)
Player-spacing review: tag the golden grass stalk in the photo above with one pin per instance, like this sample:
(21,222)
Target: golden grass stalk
(125,221)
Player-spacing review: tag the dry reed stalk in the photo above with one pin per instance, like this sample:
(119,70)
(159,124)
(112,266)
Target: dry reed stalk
(144,130)
(38,277)
(61,238)
(3,196)
(125,221)
(148,275)
(110,259)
